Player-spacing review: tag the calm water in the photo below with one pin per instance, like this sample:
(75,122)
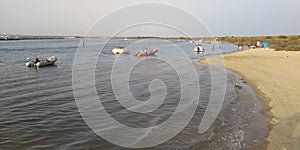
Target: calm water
(38,109)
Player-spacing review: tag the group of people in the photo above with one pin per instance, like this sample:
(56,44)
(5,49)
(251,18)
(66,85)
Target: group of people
(36,60)
(257,45)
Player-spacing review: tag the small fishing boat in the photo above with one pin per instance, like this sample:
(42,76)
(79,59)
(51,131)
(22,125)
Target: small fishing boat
(41,62)
(146,52)
(119,50)
(198,48)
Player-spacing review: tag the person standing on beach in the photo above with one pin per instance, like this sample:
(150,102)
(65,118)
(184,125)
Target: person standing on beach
(258,44)
(240,46)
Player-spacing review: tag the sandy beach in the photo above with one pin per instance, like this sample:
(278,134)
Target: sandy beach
(275,76)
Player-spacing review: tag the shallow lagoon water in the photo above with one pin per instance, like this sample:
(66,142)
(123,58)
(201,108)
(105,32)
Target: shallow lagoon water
(38,109)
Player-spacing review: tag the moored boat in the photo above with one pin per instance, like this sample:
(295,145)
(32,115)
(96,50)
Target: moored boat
(118,50)
(146,52)
(41,62)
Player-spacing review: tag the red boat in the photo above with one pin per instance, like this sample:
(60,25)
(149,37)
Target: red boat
(146,52)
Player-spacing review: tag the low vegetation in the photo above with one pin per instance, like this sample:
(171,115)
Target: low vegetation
(282,42)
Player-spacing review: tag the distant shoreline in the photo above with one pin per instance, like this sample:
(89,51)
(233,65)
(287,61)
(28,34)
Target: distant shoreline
(24,37)
(32,37)
(281,42)
(220,38)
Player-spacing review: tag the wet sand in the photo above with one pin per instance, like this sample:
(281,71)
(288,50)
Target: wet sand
(239,117)
(275,76)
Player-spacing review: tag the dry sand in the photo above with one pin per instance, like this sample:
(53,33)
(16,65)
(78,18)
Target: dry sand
(275,76)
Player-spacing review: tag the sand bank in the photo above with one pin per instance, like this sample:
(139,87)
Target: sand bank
(275,76)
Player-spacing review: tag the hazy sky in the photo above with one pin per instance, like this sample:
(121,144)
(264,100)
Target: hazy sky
(222,17)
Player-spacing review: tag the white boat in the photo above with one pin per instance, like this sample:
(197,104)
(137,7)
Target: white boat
(198,48)
(40,63)
(119,50)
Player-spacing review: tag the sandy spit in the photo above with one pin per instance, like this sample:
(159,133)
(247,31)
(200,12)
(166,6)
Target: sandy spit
(275,76)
